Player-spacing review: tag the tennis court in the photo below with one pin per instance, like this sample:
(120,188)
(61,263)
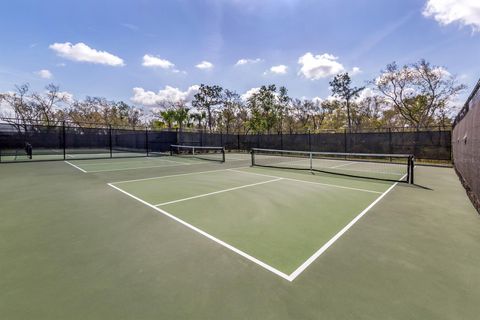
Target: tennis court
(270,218)
(234,235)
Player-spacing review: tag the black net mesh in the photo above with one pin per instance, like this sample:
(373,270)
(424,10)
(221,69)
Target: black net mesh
(198,152)
(46,142)
(87,142)
(159,142)
(466,146)
(373,166)
(129,143)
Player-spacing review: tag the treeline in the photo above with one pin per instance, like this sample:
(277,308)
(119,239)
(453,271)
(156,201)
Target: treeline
(415,95)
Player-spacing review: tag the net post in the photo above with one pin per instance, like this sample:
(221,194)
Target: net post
(311,162)
(110,140)
(223,154)
(252,154)
(411,170)
(64,142)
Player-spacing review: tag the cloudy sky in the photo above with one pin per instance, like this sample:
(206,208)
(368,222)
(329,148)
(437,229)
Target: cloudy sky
(142,51)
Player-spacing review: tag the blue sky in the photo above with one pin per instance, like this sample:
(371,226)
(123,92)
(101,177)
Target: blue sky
(142,51)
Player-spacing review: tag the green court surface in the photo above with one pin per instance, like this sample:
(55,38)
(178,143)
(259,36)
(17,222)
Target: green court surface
(182,238)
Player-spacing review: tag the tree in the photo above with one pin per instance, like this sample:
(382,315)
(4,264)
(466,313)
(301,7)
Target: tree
(22,110)
(206,99)
(264,109)
(282,107)
(168,116)
(45,106)
(231,104)
(419,92)
(199,117)
(180,114)
(341,88)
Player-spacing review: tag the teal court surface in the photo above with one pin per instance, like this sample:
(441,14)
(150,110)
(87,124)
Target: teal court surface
(181,237)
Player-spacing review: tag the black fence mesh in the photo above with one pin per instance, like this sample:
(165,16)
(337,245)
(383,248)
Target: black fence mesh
(75,142)
(466,146)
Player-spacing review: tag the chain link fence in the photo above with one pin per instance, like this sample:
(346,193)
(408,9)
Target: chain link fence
(466,146)
(67,141)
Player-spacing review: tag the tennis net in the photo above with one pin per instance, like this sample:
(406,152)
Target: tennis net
(391,167)
(204,153)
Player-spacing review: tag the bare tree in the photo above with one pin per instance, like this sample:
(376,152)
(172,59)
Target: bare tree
(418,91)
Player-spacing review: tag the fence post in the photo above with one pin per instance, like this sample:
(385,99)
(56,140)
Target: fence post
(238,141)
(64,141)
(390,146)
(110,138)
(281,140)
(309,141)
(146,141)
(345,140)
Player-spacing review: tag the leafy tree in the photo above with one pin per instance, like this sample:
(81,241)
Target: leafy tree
(206,99)
(199,117)
(169,117)
(264,109)
(341,88)
(231,104)
(180,114)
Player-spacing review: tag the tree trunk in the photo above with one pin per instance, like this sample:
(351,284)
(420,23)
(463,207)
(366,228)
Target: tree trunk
(348,116)
(209,119)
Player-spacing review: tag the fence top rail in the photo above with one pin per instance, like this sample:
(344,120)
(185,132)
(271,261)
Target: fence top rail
(143,127)
(461,114)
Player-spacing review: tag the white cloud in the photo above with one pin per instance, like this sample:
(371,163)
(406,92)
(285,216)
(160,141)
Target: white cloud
(464,12)
(171,94)
(67,96)
(156,62)
(249,93)
(280,69)
(204,65)
(44,73)
(364,94)
(83,53)
(243,62)
(356,70)
(317,100)
(319,66)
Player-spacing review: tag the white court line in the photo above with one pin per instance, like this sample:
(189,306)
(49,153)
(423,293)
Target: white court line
(343,165)
(137,168)
(319,252)
(76,167)
(302,267)
(306,181)
(217,192)
(209,236)
(176,175)
(133,160)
